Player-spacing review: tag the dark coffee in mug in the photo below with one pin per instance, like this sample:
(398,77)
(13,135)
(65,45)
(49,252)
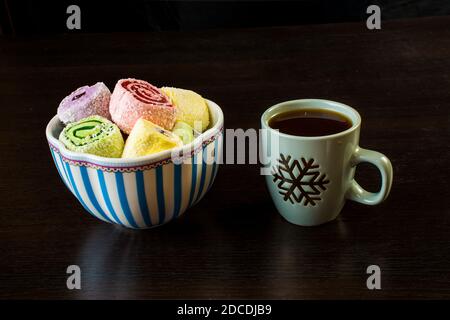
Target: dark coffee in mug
(310,122)
(310,172)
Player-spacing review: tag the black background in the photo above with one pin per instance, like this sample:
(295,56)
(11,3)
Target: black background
(30,17)
(233,244)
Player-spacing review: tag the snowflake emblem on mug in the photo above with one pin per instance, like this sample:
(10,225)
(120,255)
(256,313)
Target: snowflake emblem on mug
(299,182)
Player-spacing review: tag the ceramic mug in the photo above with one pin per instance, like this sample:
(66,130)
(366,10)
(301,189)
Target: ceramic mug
(310,178)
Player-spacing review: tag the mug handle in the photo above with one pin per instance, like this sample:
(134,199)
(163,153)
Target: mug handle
(357,193)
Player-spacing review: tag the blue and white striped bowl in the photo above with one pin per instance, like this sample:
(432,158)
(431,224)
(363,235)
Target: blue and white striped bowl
(143,192)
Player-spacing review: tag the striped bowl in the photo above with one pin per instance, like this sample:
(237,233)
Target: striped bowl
(142,192)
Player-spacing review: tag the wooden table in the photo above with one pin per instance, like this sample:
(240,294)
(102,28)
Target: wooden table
(234,244)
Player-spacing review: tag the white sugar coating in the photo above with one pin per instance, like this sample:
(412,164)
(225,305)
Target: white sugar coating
(84,102)
(107,142)
(132,99)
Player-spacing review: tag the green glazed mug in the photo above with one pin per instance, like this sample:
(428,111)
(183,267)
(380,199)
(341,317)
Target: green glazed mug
(310,178)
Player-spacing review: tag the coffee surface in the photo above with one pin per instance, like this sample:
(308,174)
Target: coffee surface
(310,122)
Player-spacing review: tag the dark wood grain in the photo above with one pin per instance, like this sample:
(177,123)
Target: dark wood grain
(234,244)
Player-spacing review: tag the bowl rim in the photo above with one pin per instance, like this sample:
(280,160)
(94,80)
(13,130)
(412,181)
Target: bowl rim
(162,157)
